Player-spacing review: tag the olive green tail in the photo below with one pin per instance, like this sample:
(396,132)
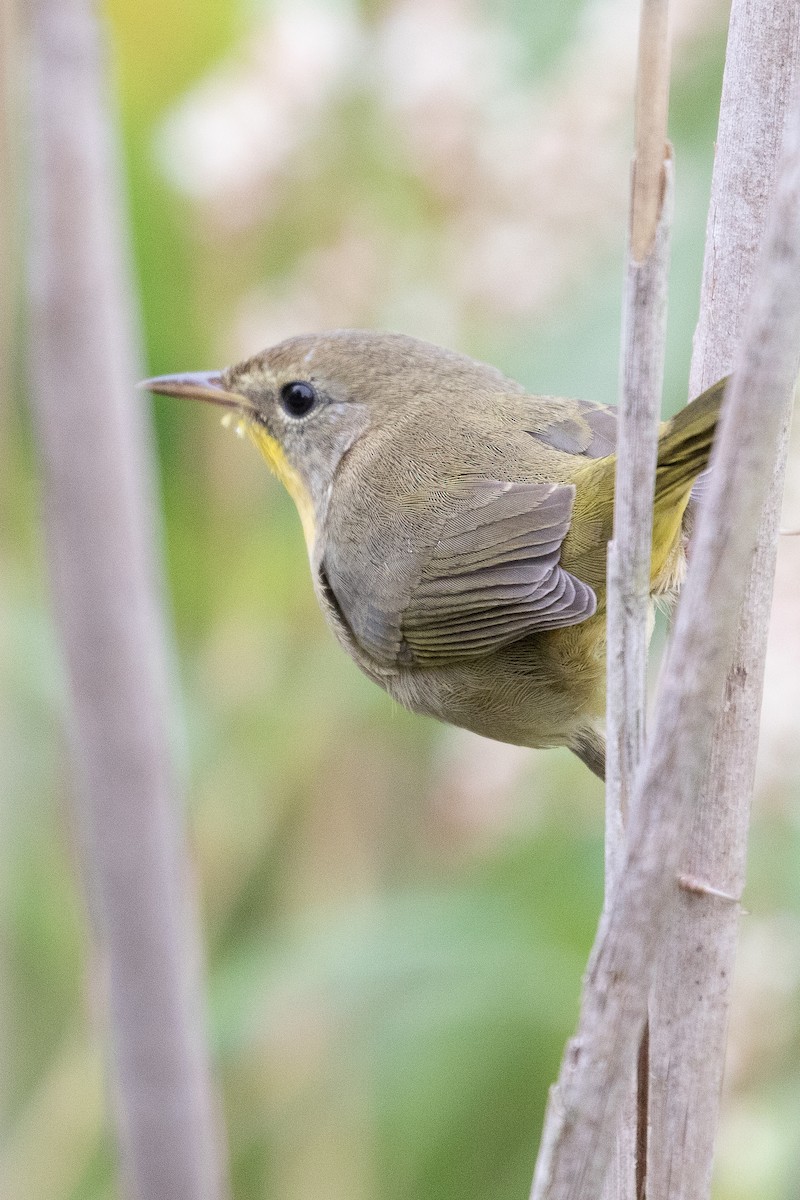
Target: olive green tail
(684,447)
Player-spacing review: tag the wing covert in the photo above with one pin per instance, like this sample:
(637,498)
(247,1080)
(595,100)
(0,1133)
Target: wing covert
(455,571)
(494,574)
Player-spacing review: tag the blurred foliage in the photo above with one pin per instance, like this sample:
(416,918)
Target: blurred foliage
(396,915)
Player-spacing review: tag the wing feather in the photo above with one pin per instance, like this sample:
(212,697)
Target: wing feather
(484,573)
(494,575)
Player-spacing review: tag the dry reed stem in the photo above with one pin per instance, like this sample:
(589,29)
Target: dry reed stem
(644,323)
(652,108)
(578,1137)
(691,1002)
(98,517)
(642,370)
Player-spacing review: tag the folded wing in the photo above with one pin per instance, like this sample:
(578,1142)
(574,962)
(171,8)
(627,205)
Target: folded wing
(494,575)
(487,573)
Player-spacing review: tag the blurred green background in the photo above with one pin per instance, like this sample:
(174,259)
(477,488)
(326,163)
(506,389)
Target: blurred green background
(396,915)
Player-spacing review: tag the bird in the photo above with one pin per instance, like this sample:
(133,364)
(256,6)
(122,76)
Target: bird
(456,524)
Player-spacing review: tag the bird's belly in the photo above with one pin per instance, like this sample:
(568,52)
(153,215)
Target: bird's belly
(537,692)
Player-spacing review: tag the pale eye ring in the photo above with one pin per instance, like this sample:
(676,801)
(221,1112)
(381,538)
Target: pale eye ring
(298,398)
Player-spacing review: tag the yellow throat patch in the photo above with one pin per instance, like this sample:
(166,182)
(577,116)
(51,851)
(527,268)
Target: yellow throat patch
(280,466)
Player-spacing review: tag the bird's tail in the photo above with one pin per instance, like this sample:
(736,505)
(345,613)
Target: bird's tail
(684,447)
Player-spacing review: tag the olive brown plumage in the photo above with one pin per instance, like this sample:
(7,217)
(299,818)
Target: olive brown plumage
(456,525)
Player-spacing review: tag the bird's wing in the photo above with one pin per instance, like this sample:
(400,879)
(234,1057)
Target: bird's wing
(494,574)
(489,576)
(588,429)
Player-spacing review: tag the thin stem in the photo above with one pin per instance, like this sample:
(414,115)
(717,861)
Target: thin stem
(691,1001)
(644,320)
(579,1129)
(99,525)
(652,108)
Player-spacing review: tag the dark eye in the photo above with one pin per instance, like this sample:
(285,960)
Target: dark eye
(298,399)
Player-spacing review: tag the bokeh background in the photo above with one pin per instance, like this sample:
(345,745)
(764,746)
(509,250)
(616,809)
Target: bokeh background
(396,915)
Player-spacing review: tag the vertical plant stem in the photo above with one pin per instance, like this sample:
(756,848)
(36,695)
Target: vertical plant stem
(642,372)
(690,1005)
(9,210)
(578,1137)
(644,319)
(98,519)
(652,110)
(644,329)
(8,287)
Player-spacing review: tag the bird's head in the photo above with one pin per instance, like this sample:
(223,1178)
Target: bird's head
(305,402)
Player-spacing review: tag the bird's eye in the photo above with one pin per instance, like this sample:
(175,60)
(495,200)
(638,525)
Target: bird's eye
(298,398)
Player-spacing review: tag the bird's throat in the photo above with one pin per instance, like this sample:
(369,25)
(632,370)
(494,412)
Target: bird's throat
(280,466)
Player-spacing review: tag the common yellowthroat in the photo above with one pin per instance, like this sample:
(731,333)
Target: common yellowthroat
(456,525)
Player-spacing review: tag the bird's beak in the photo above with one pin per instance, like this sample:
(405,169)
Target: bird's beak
(198,385)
